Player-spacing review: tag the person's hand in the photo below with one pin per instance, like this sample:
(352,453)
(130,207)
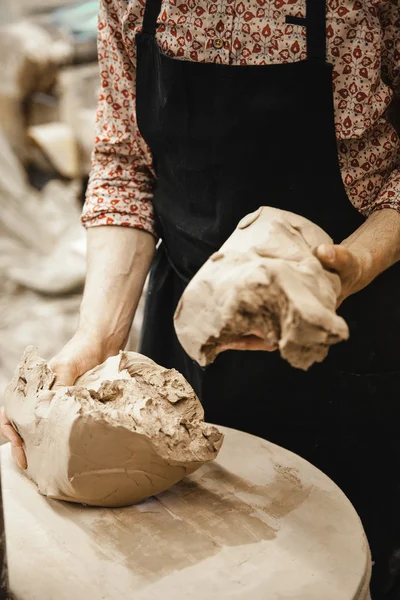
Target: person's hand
(370,250)
(354,269)
(253,341)
(352,266)
(81,353)
(17,446)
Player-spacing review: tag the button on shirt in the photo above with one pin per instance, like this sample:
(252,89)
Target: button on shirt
(218,43)
(363,46)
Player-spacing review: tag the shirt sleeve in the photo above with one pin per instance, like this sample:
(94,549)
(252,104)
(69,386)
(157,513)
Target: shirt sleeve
(371,165)
(390,23)
(389,195)
(121,182)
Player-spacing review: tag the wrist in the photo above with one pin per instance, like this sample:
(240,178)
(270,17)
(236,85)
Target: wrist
(106,342)
(107,319)
(377,242)
(367,266)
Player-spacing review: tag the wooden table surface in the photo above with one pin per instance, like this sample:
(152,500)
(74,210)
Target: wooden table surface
(259,523)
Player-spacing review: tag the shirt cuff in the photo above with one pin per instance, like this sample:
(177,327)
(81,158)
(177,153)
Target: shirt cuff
(126,200)
(389,196)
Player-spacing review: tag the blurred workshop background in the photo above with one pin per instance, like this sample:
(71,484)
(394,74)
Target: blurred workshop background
(48,91)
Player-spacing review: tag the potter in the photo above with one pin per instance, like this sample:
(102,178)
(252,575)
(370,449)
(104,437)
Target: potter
(209,111)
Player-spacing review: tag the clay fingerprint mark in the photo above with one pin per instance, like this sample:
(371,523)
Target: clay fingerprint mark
(195,519)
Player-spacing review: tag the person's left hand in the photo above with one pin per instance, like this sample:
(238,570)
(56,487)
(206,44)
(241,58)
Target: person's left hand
(17,445)
(352,266)
(370,250)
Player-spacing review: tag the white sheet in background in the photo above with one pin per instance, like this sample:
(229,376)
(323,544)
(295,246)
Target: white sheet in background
(42,265)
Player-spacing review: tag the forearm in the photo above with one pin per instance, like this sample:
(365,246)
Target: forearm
(118,261)
(376,243)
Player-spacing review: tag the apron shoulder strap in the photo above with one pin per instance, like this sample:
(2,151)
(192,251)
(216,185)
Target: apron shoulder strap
(316,29)
(151,12)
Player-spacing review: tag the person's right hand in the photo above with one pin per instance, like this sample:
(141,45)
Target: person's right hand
(81,353)
(253,341)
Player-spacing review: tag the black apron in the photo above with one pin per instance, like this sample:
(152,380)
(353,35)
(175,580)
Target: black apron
(226,140)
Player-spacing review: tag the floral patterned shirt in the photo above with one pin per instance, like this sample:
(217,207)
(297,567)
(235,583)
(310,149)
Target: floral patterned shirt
(363,44)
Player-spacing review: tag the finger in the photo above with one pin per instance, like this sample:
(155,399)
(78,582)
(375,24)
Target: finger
(257,333)
(19,456)
(248,342)
(3,418)
(11,435)
(8,431)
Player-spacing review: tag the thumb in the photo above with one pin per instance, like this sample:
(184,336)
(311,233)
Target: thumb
(66,373)
(336,258)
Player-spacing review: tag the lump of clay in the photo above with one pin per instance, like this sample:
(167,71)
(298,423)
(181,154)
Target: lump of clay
(125,431)
(265,278)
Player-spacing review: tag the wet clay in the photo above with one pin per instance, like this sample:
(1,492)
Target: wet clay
(264,279)
(125,431)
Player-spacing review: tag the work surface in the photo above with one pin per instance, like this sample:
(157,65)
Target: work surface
(259,523)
